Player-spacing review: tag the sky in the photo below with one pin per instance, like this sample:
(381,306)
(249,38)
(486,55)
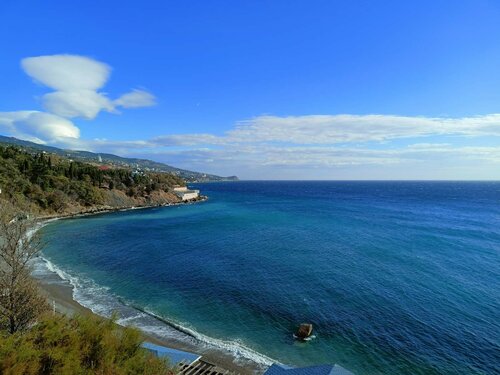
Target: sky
(261,89)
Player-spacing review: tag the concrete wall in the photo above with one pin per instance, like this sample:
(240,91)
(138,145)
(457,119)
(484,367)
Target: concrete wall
(191,195)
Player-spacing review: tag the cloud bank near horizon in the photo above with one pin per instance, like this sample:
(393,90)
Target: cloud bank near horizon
(265,144)
(321,146)
(339,129)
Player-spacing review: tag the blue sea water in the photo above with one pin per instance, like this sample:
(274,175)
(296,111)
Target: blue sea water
(397,277)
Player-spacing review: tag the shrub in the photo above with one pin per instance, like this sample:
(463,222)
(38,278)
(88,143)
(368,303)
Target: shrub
(78,345)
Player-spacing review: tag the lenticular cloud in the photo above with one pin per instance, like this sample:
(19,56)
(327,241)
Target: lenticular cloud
(37,126)
(67,72)
(76,81)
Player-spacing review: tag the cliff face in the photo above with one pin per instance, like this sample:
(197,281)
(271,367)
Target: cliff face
(116,199)
(50,185)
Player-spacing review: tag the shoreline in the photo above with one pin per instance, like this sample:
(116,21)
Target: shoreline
(60,293)
(109,209)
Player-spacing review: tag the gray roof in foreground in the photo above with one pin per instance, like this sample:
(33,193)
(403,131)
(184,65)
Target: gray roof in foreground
(174,356)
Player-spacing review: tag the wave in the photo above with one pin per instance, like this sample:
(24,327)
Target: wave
(101,301)
(39,225)
(238,349)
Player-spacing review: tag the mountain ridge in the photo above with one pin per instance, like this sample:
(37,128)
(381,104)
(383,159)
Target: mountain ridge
(116,160)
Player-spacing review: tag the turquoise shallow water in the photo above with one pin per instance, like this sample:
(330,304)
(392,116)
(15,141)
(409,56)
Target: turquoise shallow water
(397,277)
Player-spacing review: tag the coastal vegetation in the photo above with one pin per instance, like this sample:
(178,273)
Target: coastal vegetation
(35,341)
(49,183)
(80,345)
(114,160)
(20,302)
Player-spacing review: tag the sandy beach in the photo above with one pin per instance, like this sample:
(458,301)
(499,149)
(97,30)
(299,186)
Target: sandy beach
(59,293)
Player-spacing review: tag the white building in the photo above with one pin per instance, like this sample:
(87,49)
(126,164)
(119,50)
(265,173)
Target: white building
(186,194)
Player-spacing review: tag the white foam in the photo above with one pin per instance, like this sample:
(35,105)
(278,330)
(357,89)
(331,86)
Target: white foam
(125,321)
(100,301)
(235,347)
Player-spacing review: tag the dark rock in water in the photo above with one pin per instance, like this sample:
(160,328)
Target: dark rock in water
(304,331)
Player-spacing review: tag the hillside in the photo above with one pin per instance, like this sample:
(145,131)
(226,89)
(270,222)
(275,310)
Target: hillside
(47,184)
(116,161)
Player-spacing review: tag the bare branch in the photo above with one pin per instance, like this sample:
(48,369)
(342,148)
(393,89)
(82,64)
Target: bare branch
(20,301)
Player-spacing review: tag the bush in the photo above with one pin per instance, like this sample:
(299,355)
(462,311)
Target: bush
(78,345)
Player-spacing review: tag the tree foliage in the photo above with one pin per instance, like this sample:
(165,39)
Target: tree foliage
(34,342)
(78,345)
(52,182)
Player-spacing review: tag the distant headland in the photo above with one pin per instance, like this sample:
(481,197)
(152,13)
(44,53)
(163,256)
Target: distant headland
(51,182)
(115,161)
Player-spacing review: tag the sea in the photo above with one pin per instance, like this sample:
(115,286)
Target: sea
(396,277)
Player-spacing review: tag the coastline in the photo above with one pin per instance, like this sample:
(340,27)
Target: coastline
(61,294)
(108,209)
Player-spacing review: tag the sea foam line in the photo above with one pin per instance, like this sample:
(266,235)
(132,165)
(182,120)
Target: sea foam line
(82,288)
(87,293)
(237,348)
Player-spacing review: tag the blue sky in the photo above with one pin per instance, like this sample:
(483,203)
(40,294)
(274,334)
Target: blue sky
(261,89)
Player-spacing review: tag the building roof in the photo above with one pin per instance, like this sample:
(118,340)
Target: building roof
(311,370)
(174,356)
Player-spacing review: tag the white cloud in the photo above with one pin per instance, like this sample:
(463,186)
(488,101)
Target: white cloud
(101,145)
(81,103)
(420,146)
(77,80)
(67,72)
(332,129)
(258,152)
(135,99)
(325,162)
(37,126)
(337,129)
(188,140)
(293,143)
